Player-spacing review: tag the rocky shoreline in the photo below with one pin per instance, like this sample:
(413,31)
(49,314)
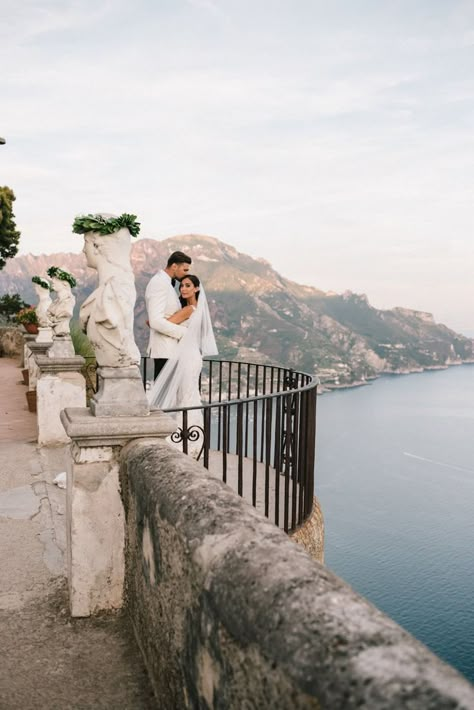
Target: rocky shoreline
(326,388)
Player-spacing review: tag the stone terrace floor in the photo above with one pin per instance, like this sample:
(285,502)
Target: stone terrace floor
(48,660)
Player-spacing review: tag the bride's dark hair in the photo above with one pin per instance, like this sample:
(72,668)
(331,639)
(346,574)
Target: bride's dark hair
(196,284)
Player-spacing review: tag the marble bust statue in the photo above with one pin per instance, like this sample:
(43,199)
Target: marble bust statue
(61,309)
(107,314)
(42,290)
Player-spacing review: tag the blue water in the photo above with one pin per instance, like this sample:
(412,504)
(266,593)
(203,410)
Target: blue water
(395,477)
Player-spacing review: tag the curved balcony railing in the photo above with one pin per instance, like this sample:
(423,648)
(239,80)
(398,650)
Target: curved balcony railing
(256,430)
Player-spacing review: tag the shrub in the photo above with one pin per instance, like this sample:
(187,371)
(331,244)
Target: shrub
(82,344)
(10,304)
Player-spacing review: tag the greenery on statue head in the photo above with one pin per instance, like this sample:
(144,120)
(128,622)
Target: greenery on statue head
(41,282)
(54,272)
(98,223)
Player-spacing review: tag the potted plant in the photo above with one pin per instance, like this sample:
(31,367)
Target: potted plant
(28,319)
(31,400)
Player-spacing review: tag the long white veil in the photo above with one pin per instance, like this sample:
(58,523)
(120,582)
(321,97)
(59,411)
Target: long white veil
(199,334)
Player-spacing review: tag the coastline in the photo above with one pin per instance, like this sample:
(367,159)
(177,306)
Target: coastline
(327,388)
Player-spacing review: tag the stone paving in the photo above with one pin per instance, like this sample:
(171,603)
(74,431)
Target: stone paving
(49,660)
(232,477)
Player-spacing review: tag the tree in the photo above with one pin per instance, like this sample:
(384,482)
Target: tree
(11,304)
(9,235)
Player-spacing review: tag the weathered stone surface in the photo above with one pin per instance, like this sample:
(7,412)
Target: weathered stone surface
(27,339)
(44,302)
(120,393)
(61,348)
(48,660)
(55,365)
(11,342)
(311,534)
(45,335)
(89,431)
(60,311)
(230,613)
(59,385)
(32,350)
(107,313)
(95,514)
(95,536)
(52,662)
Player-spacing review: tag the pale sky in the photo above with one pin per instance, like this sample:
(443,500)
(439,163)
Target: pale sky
(335,139)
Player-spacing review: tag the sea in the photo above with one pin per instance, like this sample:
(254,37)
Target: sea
(395,478)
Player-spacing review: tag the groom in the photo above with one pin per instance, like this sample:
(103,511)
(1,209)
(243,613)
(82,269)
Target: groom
(161,302)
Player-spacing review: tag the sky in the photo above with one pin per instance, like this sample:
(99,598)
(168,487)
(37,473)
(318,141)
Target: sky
(334,139)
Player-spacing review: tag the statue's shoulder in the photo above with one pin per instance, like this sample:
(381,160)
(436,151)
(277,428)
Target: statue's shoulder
(90,298)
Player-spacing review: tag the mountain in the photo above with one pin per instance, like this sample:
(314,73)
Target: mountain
(260,316)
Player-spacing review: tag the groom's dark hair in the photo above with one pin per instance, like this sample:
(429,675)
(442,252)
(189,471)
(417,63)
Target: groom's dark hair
(178,257)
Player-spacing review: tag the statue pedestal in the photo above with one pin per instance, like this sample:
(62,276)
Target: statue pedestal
(27,339)
(95,522)
(45,335)
(60,384)
(120,393)
(62,347)
(35,350)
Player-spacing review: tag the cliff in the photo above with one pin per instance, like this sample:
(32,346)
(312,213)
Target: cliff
(261,316)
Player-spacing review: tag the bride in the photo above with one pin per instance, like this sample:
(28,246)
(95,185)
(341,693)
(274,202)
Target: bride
(177,385)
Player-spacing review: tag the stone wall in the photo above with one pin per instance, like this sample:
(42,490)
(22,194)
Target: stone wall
(311,534)
(11,341)
(230,613)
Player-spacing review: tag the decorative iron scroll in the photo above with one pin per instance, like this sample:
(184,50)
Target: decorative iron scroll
(290,381)
(192,434)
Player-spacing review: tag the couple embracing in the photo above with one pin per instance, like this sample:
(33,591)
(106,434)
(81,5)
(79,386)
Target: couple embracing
(180,335)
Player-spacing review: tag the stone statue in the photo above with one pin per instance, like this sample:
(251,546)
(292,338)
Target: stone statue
(107,314)
(42,289)
(61,310)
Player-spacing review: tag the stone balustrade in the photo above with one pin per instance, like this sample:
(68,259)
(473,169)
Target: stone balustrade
(230,613)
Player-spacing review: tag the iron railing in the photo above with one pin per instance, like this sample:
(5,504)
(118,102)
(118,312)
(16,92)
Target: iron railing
(256,429)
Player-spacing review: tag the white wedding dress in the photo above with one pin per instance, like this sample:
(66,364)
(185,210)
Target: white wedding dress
(177,385)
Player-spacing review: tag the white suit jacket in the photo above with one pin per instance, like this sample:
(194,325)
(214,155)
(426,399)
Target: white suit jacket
(161,302)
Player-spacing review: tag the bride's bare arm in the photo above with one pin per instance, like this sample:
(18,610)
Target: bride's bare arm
(181,315)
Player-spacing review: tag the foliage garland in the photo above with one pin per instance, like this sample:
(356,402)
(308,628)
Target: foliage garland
(41,282)
(97,223)
(55,272)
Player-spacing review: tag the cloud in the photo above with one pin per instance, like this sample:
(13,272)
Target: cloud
(333,130)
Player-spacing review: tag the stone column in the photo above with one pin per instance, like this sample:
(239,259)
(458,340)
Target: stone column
(119,413)
(95,514)
(120,393)
(35,349)
(45,335)
(60,384)
(27,339)
(62,347)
